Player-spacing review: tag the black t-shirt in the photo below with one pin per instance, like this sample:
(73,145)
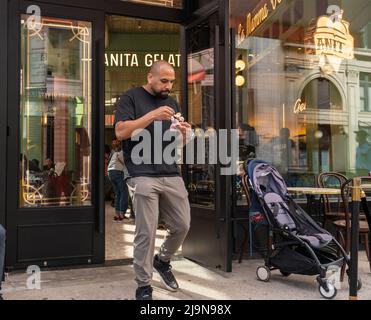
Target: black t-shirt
(133,105)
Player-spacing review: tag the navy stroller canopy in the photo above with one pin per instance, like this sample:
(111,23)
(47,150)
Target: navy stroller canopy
(265,179)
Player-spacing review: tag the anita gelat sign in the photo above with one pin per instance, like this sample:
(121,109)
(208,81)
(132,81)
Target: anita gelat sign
(330,36)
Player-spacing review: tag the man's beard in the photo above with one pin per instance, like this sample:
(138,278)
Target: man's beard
(162,94)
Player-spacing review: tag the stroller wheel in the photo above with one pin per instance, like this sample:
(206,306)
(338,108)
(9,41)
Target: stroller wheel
(263,273)
(330,293)
(359,283)
(285,274)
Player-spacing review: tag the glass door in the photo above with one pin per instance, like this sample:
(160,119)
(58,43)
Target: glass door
(54,208)
(207,241)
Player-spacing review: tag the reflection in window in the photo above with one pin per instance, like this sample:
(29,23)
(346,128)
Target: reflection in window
(132,45)
(300,107)
(201,112)
(55,113)
(321,94)
(366,36)
(365,92)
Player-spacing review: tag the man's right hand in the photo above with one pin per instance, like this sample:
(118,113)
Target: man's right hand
(125,129)
(163,113)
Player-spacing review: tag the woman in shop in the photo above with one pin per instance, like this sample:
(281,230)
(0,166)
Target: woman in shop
(116,168)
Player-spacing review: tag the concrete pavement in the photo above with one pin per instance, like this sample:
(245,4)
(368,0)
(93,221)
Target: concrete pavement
(196,282)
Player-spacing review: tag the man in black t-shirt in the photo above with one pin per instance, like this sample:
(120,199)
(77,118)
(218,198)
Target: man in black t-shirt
(157,184)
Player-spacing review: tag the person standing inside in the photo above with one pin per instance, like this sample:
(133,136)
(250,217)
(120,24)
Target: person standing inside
(157,187)
(107,183)
(2,255)
(363,153)
(116,175)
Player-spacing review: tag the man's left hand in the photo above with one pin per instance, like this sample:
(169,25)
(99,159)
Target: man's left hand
(183,127)
(186,130)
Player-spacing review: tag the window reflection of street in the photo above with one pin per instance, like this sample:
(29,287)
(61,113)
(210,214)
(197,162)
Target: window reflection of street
(55,113)
(305,90)
(201,113)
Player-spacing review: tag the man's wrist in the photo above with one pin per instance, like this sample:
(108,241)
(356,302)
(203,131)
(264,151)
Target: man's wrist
(150,117)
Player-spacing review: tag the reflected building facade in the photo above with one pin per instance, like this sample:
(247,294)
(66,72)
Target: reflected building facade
(306,90)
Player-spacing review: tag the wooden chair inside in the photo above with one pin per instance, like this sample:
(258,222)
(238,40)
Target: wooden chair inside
(332,205)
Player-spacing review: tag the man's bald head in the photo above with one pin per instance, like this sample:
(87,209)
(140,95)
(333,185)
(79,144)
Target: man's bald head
(161,78)
(161,66)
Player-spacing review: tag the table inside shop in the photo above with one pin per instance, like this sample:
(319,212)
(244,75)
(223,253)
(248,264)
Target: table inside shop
(312,206)
(310,193)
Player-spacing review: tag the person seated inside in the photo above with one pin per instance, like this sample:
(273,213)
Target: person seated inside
(34,165)
(48,165)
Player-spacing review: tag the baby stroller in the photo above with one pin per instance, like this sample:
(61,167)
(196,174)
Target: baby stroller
(296,245)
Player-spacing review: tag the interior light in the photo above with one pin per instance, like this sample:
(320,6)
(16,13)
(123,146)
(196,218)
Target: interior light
(318,134)
(240,65)
(240,81)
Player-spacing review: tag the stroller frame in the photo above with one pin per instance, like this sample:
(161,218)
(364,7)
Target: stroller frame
(281,238)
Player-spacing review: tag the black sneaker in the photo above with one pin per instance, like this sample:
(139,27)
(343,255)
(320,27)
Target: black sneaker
(164,269)
(144,293)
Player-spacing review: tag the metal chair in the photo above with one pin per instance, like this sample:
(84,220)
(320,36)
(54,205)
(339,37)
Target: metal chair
(333,210)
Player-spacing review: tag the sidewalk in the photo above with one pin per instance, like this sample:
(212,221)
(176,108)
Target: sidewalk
(196,282)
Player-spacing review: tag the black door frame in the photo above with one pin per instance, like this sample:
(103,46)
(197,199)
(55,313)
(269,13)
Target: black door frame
(85,10)
(103,8)
(3,104)
(223,205)
(81,214)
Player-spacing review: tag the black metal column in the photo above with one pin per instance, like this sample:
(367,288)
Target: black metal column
(353,274)
(3,106)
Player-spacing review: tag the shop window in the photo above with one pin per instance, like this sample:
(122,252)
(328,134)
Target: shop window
(132,46)
(286,20)
(365,92)
(276,30)
(298,10)
(55,113)
(366,36)
(201,111)
(322,94)
(295,106)
(321,7)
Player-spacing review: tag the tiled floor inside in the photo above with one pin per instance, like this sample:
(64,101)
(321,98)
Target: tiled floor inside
(120,236)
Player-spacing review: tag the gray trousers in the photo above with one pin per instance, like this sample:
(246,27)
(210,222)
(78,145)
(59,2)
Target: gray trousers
(154,199)
(2,252)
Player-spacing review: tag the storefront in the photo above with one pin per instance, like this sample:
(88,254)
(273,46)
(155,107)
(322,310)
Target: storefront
(61,67)
(293,76)
(302,94)
(302,86)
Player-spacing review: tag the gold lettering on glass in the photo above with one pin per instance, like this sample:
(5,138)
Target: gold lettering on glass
(330,36)
(299,106)
(255,18)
